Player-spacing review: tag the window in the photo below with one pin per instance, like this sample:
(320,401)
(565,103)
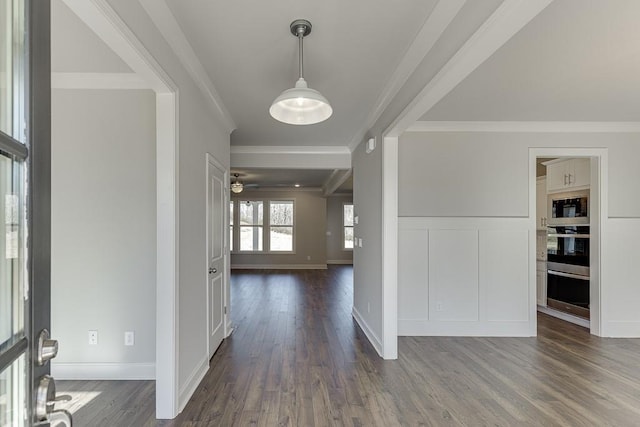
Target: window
(251,221)
(262,225)
(281,226)
(231,225)
(347,225)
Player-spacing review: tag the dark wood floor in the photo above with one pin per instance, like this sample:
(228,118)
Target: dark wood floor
(297,358)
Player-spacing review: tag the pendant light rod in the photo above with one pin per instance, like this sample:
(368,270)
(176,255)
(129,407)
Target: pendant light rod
(300,28)
(301,51)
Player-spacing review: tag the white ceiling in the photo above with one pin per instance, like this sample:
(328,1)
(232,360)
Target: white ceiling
(250,56)
(576,61)
(76,48)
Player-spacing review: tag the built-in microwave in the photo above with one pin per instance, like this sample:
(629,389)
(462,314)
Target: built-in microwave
(568,208)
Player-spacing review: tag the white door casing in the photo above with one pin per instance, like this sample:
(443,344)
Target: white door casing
(217,204)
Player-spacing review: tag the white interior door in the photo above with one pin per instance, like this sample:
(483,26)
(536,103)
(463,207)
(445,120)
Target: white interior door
(216,227)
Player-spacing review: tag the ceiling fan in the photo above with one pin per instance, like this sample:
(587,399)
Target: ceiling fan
(237,186)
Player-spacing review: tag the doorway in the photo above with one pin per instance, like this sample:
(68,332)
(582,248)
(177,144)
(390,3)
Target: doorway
(573,176)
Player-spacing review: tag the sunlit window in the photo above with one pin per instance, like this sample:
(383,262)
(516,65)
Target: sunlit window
(347,225)
(230,226)
(251,225)
(281,226)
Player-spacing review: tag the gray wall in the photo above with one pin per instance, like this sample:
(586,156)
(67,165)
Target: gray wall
(335,253)
(367,261)
(310,237)
(486,174)
(103,226)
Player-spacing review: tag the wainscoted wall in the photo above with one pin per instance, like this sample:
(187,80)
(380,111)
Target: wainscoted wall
(456,278)
(450,179)
(620,257)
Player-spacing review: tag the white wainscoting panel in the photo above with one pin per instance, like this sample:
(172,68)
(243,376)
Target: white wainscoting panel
(453,275)
(413,272)
(464,277)
(503,269)
(620,283)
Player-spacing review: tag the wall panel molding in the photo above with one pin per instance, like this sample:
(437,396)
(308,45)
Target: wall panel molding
(464,277)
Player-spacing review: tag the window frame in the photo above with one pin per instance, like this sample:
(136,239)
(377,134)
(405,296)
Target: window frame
(266,226)
(344,227)
(293,226)
(238,227)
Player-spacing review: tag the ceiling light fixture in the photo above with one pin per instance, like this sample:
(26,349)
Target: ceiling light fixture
(237,186)
(300,105)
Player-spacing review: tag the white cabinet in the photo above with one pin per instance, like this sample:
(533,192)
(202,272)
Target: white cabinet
(541,283)
(571,174)
(541,203)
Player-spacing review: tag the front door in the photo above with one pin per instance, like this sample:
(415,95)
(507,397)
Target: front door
(216,248)
(25,235)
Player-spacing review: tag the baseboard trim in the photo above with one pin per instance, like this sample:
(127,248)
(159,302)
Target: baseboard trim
(622,329)
(564,316)
(192,382)
(340,261)
(433,328)
(103,371)
(373,338)
(278,266)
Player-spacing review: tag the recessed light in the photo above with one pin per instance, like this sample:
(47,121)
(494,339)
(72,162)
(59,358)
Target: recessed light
(296,185)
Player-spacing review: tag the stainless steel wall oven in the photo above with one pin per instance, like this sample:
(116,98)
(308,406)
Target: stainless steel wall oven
(568,260)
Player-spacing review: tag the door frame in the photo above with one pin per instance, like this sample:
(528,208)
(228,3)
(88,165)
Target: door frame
(212,161)
(599,215)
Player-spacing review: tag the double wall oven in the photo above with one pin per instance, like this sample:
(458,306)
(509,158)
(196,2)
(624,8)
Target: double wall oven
(568,260)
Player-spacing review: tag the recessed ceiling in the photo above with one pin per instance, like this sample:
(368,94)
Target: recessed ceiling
(283,178)
(250,56)
(576,61)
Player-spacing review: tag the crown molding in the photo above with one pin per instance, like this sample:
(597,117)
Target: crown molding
(168,26)
(525,127)
(293,149)
(509,18)
(335,180)
(291,157)
(433,27)
(98,81)
(107,24)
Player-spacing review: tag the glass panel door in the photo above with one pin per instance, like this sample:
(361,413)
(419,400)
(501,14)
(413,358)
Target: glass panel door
(14,342)
(13,337)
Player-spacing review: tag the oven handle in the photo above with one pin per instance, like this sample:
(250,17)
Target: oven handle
(569,275)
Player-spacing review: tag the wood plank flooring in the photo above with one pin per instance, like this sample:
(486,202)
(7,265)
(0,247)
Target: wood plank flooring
(297,358)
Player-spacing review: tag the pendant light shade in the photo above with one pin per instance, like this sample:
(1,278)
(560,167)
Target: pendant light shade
(301,105)
(237,186)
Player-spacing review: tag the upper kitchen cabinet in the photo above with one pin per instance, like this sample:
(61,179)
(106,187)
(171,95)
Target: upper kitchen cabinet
(569,174)
(541,203)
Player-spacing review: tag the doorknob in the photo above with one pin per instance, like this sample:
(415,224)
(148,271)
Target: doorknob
(45,401)
(213,270)
(47,348)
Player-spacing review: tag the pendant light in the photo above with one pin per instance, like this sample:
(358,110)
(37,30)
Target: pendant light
(301,105)
(237,186)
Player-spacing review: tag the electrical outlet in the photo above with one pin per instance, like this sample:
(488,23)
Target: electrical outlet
(308,257)
(439,306)
(368,308)
(93,337)
(129,338)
